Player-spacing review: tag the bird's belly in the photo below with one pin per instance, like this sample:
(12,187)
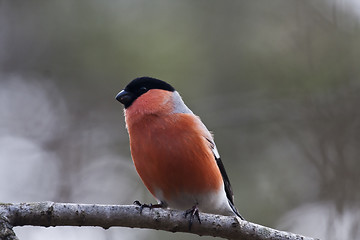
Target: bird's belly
(176,163)
(175,176)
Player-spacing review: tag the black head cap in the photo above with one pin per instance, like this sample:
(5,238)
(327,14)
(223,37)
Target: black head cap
(139,86)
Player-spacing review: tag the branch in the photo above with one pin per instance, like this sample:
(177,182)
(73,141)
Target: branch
(48,214)
(6,232)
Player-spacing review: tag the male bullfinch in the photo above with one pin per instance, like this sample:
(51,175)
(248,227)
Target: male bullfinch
(173,152)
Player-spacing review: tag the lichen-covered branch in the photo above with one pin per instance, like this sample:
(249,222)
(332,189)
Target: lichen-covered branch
(68,214)
(6,231)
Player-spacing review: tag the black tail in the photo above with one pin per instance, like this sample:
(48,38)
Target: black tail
(227,186)
(235,210)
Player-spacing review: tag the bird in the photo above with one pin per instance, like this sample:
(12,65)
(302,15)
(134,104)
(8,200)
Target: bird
(173,152)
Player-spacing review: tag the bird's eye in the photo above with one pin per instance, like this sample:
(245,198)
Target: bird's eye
(143,90)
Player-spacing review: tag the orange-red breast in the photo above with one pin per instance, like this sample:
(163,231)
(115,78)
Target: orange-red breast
(173,152)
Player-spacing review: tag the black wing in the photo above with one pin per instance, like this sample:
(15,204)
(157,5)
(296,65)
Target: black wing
(227,185)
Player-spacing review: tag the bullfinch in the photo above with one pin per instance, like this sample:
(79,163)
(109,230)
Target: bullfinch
(174,153)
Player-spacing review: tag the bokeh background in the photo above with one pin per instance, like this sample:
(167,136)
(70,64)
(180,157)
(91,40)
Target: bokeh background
(278,82)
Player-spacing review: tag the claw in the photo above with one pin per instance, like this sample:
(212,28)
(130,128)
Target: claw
(151,206)
(194,212)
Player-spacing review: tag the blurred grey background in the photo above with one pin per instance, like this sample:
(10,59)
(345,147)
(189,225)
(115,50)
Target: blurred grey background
(278,82)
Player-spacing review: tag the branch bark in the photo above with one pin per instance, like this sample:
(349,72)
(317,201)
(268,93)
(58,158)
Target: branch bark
(48,214)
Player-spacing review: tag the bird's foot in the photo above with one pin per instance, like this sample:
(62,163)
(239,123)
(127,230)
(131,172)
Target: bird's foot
(151,206)
(194,212)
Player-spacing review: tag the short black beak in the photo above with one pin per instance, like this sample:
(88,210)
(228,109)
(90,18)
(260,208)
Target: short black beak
(125,98)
